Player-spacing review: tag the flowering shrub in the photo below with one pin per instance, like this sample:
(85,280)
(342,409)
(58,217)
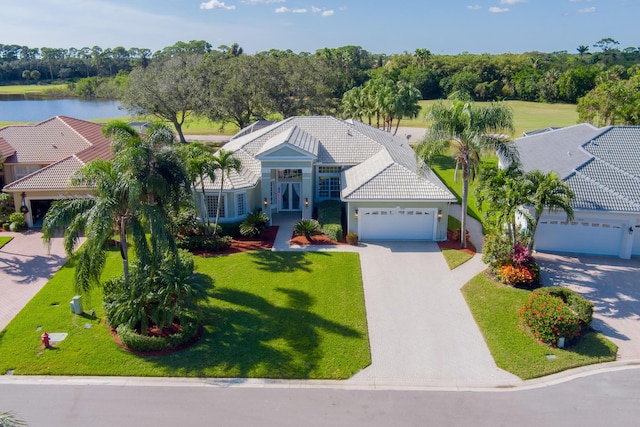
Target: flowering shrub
(515,275)
(521,255)
(549,318)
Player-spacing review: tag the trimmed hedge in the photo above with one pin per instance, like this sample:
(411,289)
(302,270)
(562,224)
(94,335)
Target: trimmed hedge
(144,343)
(206,243)
(330,219)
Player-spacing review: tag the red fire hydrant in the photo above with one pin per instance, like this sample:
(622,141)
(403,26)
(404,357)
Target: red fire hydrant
(45,340)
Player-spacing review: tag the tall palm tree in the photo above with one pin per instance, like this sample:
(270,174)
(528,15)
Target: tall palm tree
(468,130)
(131,195)
(226,163)
(548,191)
(111,208)
(200,164)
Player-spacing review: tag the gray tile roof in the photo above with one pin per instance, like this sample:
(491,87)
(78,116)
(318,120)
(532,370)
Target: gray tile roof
(557,150)
(294,137)
(385,167)
(603,170)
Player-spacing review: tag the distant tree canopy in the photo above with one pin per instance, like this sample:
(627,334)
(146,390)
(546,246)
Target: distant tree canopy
(229,85)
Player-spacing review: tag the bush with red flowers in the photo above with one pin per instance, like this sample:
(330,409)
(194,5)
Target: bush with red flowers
(549,318)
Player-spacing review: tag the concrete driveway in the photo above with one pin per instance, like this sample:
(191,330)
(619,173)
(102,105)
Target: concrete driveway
(420,327)
(612,284)
(25,266)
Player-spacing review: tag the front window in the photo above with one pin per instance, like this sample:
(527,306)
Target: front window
(329,182)
(212,205)
(241,204)
(289,173)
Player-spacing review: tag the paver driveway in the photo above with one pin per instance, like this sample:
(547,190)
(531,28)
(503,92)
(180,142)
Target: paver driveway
(612,284)
(25,266)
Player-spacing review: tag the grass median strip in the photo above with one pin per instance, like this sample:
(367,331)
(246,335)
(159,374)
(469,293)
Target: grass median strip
(496,308)
(4,240)
(269,315)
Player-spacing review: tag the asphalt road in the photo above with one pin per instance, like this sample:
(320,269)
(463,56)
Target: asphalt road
(604,399)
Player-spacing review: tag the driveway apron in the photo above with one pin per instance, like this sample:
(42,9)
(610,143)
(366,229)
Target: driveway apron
(25,266)
(612,284)
(420,327)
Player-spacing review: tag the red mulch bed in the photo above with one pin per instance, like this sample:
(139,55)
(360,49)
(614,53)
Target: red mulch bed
(455,244)
(320,239)
(244,244)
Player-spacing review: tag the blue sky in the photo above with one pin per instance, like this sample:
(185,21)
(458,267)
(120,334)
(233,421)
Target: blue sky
(389,26)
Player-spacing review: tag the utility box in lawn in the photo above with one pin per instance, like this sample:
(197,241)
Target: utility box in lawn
(76,305)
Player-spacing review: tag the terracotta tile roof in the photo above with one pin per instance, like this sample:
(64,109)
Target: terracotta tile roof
(55,139)
(6,150)
(56,176)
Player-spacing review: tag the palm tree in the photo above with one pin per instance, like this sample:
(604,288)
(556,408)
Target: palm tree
(199,163)
(582,50)
(504,192)
(132,195)
(548,192)
(467,130)
(226,163)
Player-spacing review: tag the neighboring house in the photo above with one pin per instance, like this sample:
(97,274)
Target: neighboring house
(602,167)
(39,160)
(292,165)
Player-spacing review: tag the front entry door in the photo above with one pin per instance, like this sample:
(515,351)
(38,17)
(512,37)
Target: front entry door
(289,196)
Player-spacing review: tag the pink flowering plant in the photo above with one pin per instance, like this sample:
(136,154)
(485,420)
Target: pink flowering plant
(549,318)
(520,269)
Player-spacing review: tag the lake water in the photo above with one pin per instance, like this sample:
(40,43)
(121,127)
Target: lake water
(19,109)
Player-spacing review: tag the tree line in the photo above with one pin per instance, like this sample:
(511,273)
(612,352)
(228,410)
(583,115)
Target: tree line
(225,84)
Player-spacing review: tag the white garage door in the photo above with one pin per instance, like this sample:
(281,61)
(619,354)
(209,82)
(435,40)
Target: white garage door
(588,237)
(397,224)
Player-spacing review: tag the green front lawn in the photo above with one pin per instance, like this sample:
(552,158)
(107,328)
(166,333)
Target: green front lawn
(445,166)
(496,309)
(269,315)
(4,240)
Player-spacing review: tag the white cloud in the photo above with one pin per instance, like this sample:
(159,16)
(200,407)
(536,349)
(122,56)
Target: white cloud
(587,10)
(323,11)
(215,4)
(284,9)
(494,9)
(511,1)
(262,1)
(474,7)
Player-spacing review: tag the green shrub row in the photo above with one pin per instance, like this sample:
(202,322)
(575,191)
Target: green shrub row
(330,219)
(203,243)
(145,343)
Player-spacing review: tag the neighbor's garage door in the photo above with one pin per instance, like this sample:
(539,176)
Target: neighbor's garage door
(397,224)
(592,237)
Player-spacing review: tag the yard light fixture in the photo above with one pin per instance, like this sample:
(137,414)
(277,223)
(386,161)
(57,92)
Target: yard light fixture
(265,202)
(630,230)
(356,213)
(439,214)
(306,202)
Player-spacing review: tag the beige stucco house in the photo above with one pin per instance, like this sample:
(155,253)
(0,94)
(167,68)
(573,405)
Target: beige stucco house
(39,160)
